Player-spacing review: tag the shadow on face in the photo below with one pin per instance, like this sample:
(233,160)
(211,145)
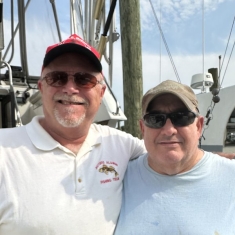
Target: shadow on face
(166,103)
(70,62)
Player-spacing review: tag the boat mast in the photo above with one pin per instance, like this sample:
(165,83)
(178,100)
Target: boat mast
(132,64)
(1,29)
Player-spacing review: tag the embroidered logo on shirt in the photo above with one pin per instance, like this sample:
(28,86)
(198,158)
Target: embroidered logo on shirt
(108,168)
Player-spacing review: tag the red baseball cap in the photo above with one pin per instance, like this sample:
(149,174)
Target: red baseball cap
(73,44)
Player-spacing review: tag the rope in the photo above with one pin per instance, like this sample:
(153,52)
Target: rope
(164,40)
(226,48)
(228,62)
(225,53)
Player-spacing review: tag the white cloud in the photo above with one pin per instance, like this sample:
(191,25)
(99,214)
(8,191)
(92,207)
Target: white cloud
(174,11)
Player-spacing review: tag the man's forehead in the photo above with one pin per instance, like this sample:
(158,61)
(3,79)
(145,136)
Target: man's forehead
(70,65)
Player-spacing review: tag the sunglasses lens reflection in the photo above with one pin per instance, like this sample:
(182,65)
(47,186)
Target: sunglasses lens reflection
(60,78)
(178,119)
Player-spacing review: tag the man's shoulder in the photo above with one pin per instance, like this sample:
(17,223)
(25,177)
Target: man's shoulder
(137,162)
(9,134)
(219,157)
(218,163)
(118,140)
(107,130)
(18,132)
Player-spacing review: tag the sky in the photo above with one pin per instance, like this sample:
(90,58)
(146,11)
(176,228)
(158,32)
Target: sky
(196,37)
(181,23)
(183,30)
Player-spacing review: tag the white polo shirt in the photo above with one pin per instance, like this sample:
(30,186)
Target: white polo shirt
(47,189)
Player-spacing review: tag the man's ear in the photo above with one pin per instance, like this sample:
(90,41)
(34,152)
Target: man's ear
(40,85)
(141,122)
(200,123)
(103,90)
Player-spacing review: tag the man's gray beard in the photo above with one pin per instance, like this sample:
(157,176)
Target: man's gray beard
(68,122)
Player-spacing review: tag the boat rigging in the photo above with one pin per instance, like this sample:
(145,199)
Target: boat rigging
(20,99)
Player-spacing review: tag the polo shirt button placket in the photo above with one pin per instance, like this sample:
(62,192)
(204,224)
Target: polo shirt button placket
(80,190)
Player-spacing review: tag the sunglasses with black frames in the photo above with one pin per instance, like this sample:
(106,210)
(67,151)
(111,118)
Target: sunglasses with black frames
(82,80)
(157,120)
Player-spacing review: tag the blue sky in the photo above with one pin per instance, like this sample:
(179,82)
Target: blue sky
(182,26)
(181,22)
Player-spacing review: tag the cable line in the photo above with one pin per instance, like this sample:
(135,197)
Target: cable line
(228,62)
(226,51)
(164,40)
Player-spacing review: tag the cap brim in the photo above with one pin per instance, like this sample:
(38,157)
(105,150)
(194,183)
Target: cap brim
(71,47)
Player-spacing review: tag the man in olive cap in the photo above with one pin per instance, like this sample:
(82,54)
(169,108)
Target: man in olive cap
(176,188)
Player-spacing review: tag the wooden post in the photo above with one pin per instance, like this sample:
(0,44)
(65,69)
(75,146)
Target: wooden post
(132,64)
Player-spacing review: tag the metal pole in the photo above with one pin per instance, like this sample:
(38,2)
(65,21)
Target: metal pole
(56,19)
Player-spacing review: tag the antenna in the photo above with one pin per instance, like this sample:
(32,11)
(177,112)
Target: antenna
(203,47)
(203,38)
(202,80)
(160,61)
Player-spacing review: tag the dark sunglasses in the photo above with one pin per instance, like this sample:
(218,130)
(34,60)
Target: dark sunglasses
(178,119)
(60,78)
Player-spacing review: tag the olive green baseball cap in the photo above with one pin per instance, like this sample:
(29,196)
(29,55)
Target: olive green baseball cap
(183,92)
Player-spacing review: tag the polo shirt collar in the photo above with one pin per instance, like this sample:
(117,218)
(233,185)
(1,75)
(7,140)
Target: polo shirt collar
(42,140)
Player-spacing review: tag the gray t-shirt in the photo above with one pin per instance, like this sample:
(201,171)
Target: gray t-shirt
(199,201)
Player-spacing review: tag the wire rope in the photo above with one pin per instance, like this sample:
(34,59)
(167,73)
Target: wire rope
(228,62)
(225,53)
(165,43)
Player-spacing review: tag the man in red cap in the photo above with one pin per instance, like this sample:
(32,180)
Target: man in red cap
(61,174)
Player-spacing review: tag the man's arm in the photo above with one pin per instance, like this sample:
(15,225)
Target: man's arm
(227,155)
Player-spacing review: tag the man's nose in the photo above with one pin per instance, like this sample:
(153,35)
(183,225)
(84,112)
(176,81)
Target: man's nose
(169,129)
(70,87)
